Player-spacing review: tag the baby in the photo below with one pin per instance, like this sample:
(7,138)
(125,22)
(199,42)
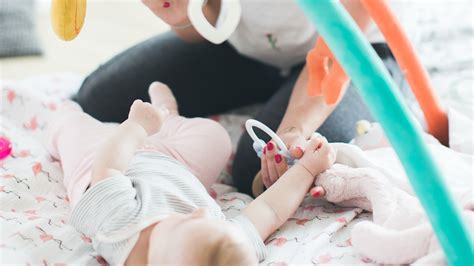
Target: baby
(139,189)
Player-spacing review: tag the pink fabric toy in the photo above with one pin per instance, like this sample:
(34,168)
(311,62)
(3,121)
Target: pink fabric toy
(400,233)
(5,148)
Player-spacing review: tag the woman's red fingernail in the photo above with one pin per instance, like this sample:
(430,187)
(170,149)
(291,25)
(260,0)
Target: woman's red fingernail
(264,150)
(300,149)
(316,194)
(166,4)
(278,158)
(270,146)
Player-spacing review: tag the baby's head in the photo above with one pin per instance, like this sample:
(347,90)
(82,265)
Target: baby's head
(197,239)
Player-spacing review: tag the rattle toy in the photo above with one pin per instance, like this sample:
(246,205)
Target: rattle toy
(259,144)
(384,100)
(5,148)
(67,18)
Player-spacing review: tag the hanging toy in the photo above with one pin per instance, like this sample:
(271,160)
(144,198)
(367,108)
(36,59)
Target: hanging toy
(5,148)
(67,18)
(326,76)
(228,21)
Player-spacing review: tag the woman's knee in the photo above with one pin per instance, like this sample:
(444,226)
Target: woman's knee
(108,92)
(96,97)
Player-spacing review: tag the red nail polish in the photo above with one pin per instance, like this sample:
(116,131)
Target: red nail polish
(300,150)
(278,158)
(166,4)
(270,146)
(264,150)
(316,194)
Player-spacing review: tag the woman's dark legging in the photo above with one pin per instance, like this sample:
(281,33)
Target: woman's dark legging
(208,79)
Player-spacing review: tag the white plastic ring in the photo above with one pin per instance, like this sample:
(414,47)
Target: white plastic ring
(251,123)
(230,12)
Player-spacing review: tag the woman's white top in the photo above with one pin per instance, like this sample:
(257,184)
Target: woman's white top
(278,33)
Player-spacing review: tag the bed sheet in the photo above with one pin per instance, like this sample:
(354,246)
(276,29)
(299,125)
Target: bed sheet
(34,206)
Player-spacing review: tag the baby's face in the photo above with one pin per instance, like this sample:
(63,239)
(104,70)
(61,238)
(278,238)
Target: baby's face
(191,239)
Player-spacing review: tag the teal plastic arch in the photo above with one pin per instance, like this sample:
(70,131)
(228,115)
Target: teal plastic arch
(379,91)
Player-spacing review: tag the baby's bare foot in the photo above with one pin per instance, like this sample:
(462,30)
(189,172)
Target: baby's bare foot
(161,96)
(147,116)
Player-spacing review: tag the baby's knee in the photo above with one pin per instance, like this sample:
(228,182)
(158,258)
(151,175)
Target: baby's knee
(215,149)
(219,144)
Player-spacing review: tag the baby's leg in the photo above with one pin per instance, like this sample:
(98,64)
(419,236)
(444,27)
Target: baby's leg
(201,144)
(73,138)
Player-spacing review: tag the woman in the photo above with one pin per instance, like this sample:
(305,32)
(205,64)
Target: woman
(262,62)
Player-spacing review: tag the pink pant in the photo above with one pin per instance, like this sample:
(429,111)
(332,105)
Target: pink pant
(74,137)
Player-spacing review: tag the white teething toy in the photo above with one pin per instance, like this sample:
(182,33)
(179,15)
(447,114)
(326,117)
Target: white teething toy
(229,17)
(259,144)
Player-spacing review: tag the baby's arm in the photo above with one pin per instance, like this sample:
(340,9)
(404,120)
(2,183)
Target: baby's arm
(114,156)
(273,208)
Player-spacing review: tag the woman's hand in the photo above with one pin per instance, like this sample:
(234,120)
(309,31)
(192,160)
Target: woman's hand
(273,164)
(172,12)
(295,139)
(320,157)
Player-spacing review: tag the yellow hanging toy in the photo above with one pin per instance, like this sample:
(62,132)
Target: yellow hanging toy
(67,18)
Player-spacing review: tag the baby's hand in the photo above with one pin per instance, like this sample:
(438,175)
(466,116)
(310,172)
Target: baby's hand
(148,116)
(318,156)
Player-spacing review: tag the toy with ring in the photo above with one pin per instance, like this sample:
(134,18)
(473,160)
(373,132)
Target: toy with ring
(228,21)
(259,144)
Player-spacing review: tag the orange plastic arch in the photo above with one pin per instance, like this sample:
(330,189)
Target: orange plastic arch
(416,75)
(330,81)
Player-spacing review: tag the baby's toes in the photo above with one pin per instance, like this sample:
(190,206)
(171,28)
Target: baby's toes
(159,112)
